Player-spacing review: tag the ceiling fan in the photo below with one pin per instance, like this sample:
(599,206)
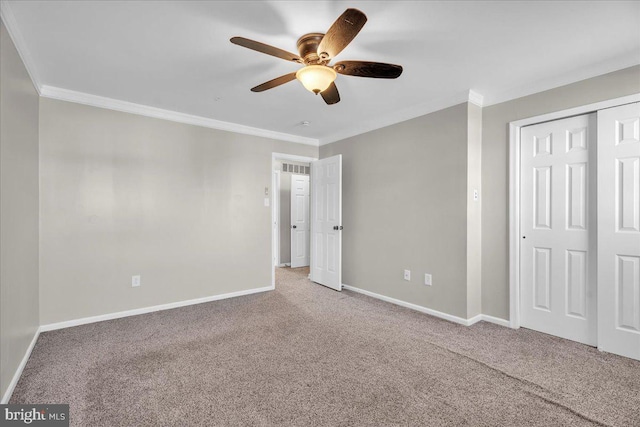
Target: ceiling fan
(316,51)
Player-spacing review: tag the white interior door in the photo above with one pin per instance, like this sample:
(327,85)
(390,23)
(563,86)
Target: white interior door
(557,246)
(299,221)
(326,222)
(619,230)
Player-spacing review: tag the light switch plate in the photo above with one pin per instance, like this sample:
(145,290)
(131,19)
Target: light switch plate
(427,279)
(135,281)
(407,275)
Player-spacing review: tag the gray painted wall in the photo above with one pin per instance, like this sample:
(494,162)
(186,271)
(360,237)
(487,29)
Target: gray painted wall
(405,201)
(495,169)
(18,210)
(122,194)
(405,207)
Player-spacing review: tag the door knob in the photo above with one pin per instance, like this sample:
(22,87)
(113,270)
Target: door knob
(337,227)
(294,226)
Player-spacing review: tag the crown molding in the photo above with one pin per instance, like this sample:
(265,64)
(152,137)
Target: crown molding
(383,120)
(563,79)
(404,115)
(159,113)
(16,36)
(174,116)
(476,98)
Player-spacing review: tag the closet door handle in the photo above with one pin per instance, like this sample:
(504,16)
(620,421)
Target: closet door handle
(294,226)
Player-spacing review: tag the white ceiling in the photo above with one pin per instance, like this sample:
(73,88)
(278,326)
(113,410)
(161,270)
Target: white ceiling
(176,55)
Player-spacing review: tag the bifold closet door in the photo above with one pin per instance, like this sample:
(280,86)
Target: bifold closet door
(557,242)
(619,230)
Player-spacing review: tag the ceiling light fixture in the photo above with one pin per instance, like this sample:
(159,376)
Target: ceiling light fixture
(316,78)
(316,51)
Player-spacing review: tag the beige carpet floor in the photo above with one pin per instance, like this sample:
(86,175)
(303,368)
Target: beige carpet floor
(306,355)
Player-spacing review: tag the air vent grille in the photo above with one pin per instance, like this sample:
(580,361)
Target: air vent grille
(300,169)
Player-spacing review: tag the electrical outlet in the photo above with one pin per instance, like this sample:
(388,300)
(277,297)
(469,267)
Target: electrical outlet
(407,275)
(427,279)
(476,195)
(135,281)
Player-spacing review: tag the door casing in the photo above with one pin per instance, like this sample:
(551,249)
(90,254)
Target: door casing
(274,157)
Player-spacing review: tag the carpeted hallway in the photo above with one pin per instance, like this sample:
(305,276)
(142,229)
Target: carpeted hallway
(306,355)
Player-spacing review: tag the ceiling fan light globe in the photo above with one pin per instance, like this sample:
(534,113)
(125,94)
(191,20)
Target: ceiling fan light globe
(316,78)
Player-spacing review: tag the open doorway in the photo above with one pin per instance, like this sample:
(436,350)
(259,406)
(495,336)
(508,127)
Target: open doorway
(292,206)
(290,211)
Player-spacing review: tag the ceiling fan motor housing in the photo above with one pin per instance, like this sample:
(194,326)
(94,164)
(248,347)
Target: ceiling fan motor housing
(308,49)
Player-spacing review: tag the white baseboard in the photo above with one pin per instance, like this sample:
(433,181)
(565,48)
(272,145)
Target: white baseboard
(475,319)
(144,310)
(18,373)
(120,314)
(127,313)
(496,320)
(490,319)
(441,315)
(435,313)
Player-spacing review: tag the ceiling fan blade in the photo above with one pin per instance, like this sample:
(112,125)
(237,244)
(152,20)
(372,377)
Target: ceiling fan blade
(345,29)
(265,48)
(330,94)
(376,70)
(274,83)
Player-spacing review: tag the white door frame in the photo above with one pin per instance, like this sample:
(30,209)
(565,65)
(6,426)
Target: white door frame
(514,190)
(274,157)
(275,215)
